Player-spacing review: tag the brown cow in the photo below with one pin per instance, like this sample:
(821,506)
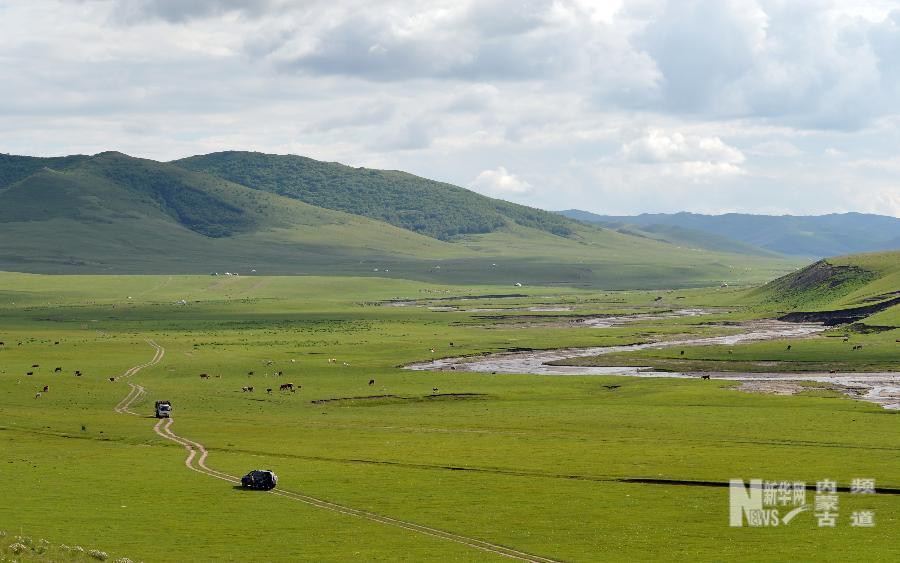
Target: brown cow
(46,388)
(286,387)
(204,376)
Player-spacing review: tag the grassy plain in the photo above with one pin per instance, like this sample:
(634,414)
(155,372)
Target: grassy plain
(537,463)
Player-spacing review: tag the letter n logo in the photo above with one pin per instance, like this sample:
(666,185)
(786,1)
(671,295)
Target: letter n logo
(744,501)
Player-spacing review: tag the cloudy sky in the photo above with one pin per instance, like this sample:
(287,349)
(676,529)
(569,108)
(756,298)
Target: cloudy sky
(619,107)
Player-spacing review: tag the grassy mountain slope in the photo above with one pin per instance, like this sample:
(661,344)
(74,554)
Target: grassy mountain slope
(814,236)
(436,209)
(117,214)
(846,288)
(14,168)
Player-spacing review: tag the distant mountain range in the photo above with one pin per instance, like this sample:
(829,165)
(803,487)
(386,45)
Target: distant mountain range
(240,211)
(803,236)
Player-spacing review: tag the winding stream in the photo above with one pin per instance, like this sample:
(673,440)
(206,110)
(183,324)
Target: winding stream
(881,388)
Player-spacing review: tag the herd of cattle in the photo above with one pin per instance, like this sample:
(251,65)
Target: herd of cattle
(284,387)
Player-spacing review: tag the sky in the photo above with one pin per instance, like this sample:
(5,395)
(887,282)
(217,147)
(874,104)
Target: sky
(612,106)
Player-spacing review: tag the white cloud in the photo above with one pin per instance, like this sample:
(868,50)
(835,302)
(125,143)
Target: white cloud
(500,183)
(685,155)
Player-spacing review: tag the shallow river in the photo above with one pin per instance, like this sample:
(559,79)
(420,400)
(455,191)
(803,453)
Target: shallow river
(881,388)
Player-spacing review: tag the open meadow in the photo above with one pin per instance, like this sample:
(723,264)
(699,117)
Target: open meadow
(378,462)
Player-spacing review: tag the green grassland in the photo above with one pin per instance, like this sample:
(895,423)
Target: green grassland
(537,463)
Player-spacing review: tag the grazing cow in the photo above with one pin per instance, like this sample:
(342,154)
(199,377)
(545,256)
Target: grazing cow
(37,395)
(30,373)
(113,379)
(280,373)
(269,390)
(434,389)
(846,339)
(249,373)
(453,368)
(371,382)
(704,377)
(286,387)
(46,388)
(57,370)
(789,347)
(78,373)
(204,376)
(56,343)
(2,343)
(250,389)
(35,366)
(451,344)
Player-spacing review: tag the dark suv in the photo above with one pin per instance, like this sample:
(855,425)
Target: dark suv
(259,480)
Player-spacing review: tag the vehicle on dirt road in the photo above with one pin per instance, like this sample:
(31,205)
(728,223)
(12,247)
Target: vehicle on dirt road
(259,480)
(163,409)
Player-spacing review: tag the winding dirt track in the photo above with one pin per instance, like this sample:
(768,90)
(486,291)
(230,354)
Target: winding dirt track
(197,463)
(137,391)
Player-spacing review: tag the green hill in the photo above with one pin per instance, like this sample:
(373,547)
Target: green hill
(843,289)
(112,213)
(14,168)
(431,208)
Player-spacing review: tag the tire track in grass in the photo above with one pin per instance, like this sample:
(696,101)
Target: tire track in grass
(138,391)
(197,463)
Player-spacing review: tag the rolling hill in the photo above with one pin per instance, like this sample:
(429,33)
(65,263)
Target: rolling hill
(839,290)
(808,236)
(112,213)
(431,208)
